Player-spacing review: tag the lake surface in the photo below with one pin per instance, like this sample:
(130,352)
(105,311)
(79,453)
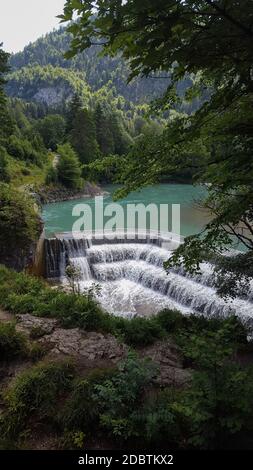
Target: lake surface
(58,216)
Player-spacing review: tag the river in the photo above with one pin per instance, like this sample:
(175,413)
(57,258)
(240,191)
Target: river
(58,216)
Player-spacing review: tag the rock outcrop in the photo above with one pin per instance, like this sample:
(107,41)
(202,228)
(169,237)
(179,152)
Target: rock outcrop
(48,194)
(94,349)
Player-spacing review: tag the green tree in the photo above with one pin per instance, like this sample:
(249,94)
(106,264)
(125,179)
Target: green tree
(83,136)
(74,106)
(6,124)
(69,168)
(4,175)
(20,225)
(52,130)
(218,405)
(103,131)
(211,43)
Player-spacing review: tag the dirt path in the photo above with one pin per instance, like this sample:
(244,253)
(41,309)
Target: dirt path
(56,160)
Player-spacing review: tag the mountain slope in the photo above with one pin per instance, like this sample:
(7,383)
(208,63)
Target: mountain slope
(95,69)
(49,85)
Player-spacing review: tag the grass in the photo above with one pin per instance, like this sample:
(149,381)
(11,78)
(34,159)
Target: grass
(23,173)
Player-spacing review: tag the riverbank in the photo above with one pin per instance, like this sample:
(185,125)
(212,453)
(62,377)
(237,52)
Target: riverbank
(58,193)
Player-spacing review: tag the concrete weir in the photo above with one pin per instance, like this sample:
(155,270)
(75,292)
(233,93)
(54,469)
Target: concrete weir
(129,269)
(59,248)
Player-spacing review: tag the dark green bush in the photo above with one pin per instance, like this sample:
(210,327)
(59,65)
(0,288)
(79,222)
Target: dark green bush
(138,331)
(81,411)
(4,172)
(51,176)
(69,167)
(106,400)
(12,343)
(36,391)
(22,149)
(20,224)
(171,320)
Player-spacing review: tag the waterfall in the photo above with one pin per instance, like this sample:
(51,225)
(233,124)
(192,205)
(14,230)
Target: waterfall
(59,253)
(134,282)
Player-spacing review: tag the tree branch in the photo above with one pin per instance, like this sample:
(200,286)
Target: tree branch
(230,18)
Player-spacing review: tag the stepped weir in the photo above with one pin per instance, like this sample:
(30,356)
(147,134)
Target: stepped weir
(129,270)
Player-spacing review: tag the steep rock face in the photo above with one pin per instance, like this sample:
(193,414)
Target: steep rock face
(53,96)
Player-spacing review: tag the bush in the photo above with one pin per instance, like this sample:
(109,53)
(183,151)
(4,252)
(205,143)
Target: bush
(206,342)
(12,343)
(52,176)
(107,400)
(81,410)
(217,406)
(22,149)
(35,391)
(171,320)
(139,331)
(19,222)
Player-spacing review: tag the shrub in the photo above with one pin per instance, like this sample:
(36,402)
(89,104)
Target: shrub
(51,176)
(81,410)
(107,400)
(52,130)
(123,394)
(36,391)
(12,343)
(217,406)
(138,331)
(171,320)
(19,222)
(36,352)
(22,149)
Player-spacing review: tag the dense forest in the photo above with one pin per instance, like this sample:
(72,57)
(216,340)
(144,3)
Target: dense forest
(96,70)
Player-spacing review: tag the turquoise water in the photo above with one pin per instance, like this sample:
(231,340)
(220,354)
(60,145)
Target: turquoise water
(58,216)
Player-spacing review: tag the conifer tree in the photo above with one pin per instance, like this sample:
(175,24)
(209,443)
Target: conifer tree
(69,168)
(83,136)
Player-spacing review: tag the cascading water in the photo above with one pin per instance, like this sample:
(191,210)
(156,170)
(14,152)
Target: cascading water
(133,281)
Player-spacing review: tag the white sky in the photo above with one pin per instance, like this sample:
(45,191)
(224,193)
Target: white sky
(23,21)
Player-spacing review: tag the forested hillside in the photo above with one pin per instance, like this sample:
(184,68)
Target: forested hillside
(95,69)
